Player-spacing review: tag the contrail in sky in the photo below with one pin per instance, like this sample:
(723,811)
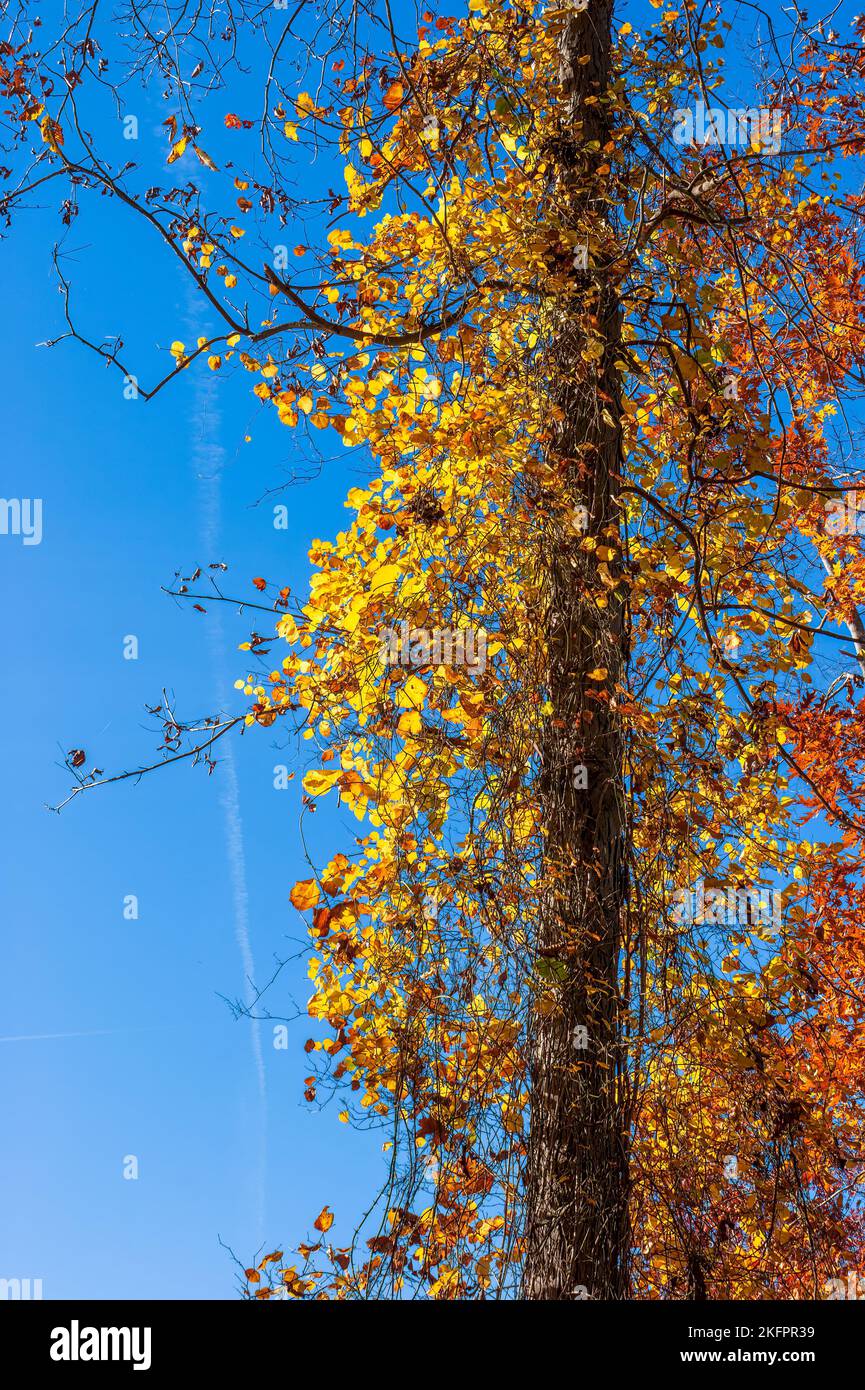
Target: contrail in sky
(208,458)
(89,1033)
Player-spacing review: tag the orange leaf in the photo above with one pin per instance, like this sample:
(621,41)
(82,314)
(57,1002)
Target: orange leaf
(320,919)
(304,894)
(393,96)
(324,1221)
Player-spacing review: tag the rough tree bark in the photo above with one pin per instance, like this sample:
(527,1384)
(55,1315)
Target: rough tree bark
(576,1234)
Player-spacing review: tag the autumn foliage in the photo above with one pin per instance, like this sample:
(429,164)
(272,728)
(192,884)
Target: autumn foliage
(417,335)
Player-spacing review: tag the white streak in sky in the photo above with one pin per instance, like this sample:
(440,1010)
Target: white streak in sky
(208,459)
(90,1033)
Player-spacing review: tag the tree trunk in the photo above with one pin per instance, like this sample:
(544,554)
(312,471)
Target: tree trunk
(576,1234)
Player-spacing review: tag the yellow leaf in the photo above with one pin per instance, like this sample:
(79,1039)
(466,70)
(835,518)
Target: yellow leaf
(52,132)
(599,674)
(335,873)
(386,577)
(412,694)
(178,149)
(317,782)
(409,723)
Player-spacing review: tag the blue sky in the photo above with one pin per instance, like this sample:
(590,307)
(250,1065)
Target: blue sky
(150,1061)
(114,1037)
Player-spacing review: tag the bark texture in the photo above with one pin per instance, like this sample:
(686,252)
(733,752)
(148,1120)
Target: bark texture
(577,1236)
